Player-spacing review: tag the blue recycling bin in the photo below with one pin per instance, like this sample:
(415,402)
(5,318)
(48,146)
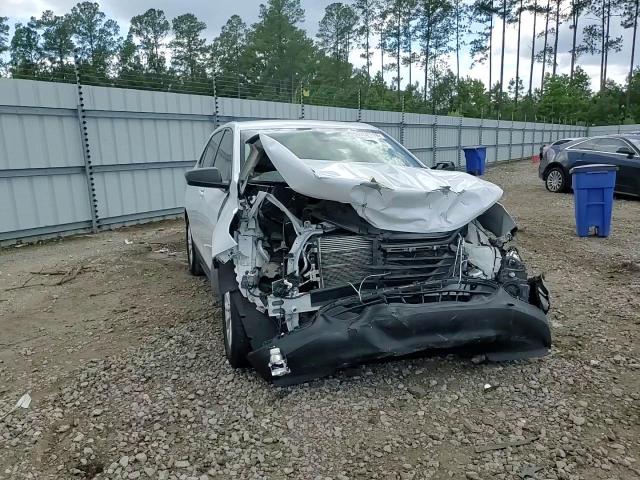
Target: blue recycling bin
(593,187)
(475,159)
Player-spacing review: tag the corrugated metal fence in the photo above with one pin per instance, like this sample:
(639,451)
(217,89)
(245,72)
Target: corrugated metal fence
(79,158)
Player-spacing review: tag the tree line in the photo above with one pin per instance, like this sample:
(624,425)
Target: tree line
(275,58)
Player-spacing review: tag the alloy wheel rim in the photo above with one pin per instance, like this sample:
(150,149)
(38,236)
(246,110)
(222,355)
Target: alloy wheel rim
(227,317)
(554,180)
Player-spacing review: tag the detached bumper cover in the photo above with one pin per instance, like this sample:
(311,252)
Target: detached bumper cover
(349,332)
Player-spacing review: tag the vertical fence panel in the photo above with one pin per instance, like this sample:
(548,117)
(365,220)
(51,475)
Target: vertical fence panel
(43,188)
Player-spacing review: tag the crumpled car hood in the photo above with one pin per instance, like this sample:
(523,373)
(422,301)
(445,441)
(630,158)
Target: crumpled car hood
(396,198)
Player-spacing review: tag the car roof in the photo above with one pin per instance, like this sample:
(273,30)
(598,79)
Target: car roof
(269,124)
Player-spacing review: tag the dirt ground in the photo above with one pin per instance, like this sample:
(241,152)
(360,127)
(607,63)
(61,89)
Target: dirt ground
(121,351)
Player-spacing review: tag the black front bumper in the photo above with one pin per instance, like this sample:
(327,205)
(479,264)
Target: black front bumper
(353,331)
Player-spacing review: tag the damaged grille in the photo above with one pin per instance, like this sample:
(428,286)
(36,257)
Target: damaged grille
(386,261)
(344,259)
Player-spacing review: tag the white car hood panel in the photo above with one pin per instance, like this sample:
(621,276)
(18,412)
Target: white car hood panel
(403,199)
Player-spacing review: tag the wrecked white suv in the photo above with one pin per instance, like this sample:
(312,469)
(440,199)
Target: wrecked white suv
(330,244)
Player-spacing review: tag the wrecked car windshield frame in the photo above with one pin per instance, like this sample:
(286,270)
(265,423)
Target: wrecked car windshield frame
(338,145)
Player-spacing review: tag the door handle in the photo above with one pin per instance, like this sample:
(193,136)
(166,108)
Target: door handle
(201,191)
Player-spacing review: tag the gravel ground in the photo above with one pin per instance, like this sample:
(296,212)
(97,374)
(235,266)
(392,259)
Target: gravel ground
(121,351)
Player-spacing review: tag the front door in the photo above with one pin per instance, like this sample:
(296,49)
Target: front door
(214,198)
(195,197)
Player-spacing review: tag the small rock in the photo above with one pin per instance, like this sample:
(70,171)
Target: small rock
(416,391)
(577,420)
(182,464)
(141,457)
(124,461)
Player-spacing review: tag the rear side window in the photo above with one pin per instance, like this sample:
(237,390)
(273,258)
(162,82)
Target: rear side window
(608,145)
(224,157)
(560,142)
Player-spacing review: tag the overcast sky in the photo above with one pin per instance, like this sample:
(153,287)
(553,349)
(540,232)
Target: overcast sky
(215,13)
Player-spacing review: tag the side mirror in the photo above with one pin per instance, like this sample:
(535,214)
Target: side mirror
(445,166)
(205,177)
(626,151)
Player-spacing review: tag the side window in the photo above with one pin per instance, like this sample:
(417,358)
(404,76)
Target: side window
(224,158)
(609,145)
(209,154)
(586,145)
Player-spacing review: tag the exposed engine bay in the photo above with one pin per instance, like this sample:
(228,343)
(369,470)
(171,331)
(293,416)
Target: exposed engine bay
(296,254)
(354,260)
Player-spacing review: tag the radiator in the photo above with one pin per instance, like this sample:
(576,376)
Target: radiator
(344,259)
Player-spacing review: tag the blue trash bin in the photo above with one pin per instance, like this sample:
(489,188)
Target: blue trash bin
(593,187)
(475,159)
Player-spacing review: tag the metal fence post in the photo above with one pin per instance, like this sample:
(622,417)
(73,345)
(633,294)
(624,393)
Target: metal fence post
(533,137)
(402,123)
(215,102)
(524,135)
(434,132)
(481,127)
(460,141)
(497,137)
(511,139)
(86,152)
(359,105)
(301,117)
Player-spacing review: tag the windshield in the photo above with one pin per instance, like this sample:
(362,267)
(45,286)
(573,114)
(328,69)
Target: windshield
(635,141)
(344,145)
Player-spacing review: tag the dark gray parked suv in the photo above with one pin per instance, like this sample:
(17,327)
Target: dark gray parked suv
(622,151)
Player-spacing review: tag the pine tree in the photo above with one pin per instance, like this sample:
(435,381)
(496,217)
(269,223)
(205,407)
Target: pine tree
(630,20)
(518,82)
(26,51)
(398,13)
(151,28)
(129,61)
(505,13)
(408,56)
(597,39)
(96,37)
(578,7)
(462,22)
(366,11)
(188,46)
(4,41)
(535,10)
(545,50)
(336,31)
(226,54)
(57,45)
(434,30)
(278,51)
(556,36)
(482,44)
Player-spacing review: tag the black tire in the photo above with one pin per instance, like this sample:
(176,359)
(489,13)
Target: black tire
(236,343)
(195,268)
(556,180)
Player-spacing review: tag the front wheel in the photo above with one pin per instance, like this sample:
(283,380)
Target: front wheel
(556,180)
(192,257)
(236,343)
